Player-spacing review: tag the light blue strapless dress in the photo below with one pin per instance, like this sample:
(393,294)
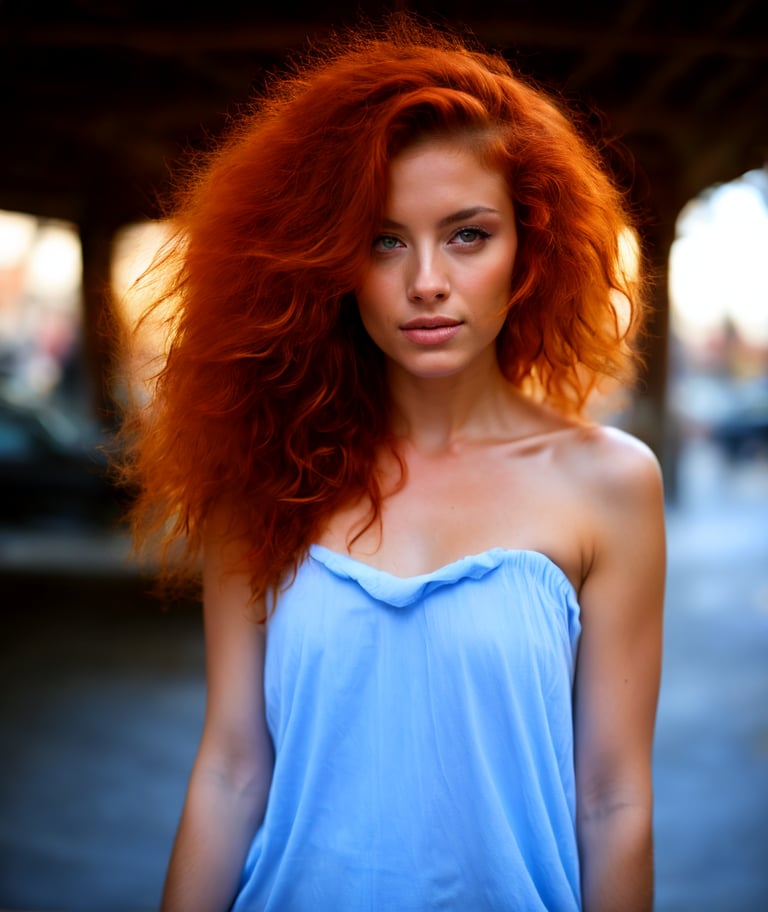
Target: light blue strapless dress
(423,736)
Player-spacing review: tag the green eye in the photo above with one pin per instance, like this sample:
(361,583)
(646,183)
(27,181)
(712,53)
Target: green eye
(470,235)
(385,242)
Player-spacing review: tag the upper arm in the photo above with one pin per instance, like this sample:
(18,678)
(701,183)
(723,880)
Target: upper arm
(619,663)
(231,775)
(236,741)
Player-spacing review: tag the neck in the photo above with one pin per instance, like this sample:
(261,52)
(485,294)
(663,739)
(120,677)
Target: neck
(438,413)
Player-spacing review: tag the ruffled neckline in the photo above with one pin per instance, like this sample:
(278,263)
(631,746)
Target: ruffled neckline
(402,591)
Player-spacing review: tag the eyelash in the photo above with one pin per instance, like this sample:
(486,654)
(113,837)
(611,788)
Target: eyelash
(480,235)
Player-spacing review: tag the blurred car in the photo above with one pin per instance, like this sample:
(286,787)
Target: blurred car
(742,431)
(53,471)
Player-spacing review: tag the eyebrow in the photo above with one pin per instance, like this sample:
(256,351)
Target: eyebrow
(460,216)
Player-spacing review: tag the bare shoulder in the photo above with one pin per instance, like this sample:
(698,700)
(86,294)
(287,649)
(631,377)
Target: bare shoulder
(615,481)
(621,498)
(596,459)
(612,465)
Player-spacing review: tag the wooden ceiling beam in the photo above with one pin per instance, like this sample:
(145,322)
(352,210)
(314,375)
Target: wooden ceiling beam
(272,38)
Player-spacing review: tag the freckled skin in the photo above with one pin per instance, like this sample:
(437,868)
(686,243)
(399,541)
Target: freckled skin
(447,248)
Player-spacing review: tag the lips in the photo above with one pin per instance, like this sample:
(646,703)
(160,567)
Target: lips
(431,329)
(432,321)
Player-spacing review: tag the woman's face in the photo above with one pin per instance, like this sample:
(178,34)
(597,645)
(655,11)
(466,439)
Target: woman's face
(435,292)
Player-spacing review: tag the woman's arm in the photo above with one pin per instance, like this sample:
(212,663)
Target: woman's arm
(617,679)
(231,774)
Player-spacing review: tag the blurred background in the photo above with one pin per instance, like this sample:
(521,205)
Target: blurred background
(101,685)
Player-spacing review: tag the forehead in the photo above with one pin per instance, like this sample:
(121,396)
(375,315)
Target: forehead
(443,172)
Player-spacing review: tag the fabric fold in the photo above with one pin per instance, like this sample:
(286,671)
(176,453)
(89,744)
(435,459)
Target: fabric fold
(401,591)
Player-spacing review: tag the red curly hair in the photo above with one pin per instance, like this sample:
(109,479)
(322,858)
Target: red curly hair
(271,398)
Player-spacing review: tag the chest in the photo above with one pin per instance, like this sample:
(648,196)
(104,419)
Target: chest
(445,508)
(496,627)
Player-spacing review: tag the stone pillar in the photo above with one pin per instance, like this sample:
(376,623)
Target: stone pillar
(660,195)
(98,334)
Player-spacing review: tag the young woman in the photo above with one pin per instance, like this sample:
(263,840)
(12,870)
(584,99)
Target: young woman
(432,589)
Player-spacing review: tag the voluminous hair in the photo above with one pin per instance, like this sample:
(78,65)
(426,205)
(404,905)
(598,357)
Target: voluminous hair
(271,403)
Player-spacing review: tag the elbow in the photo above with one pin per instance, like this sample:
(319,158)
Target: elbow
(237,767)
(615,834)
(596,807)
(622,814)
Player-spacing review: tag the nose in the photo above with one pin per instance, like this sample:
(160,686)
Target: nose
(428,281)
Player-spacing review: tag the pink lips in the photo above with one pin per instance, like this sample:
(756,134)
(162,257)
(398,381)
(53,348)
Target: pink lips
(430,330)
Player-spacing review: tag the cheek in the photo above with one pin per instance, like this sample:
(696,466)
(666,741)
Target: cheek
(371,315)
(372,297)
(494,283)
(504,272)
(366,309)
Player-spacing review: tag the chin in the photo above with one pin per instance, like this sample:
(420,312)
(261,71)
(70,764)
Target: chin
(438,370)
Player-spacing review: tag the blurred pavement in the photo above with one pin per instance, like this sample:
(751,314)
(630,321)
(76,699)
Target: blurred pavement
(711,767)
(101,701)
